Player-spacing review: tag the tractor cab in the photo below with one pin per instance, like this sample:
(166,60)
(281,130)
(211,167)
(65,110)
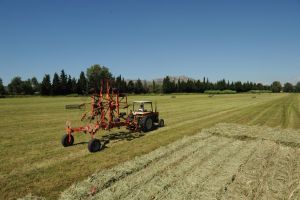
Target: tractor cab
(142,107)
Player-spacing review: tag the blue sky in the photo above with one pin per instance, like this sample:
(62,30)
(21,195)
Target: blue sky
(237,40)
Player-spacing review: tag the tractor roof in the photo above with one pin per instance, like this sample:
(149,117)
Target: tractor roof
(142,101)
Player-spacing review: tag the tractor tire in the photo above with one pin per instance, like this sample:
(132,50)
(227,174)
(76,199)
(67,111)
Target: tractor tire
(94,145)
(146,124)
(65,140)
(161,123)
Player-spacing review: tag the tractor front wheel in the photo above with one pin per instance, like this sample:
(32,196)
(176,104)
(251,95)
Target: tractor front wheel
(161,123)
(66,141)
(94,145)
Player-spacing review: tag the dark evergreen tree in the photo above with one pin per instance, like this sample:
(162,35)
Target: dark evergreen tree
(2,89)
(204,84)
(199,87)
(138,87)
(73,86)
(46,85)
(221,85)
(63,83)
(238,86)
(232,86)
(82,84)
(130,87)
(121,84)
(69,85)
(145,87)
(56,85)
(168,86)
(190,86)
(154,87)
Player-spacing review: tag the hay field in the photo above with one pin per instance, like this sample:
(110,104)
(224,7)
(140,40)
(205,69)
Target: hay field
(33,160)
(227,161)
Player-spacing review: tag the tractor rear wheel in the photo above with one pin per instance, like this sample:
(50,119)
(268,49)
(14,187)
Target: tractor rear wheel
(147,124)
(66,141)
(161,123)
(94,145)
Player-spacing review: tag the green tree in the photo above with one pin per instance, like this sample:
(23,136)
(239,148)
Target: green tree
(120,83)
(73,85)
(15,86)
(69,85)
(82,84)
(138,87)
(259,86)
(56,85)
(2,89)
(190,86)
(154,87)
(27,87)
(95,74)
(276,86)
(221,85)
(46,85)
(181,85)
(130,87)
(35,84)
(199,87)
(63,83)
(168,86)
(238,86)
(297,87)
(288,87)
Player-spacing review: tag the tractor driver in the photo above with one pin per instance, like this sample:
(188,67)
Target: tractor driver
(141,109)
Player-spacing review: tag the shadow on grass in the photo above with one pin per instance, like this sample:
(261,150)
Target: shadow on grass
(118,136)
(122,135)
(80,143)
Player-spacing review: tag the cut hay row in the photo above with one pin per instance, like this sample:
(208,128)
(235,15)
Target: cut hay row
(227,161)
(106,178)
(146,183)
(273,172)
(286,137)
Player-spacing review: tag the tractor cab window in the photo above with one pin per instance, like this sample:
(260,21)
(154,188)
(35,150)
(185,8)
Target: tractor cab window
(142,107)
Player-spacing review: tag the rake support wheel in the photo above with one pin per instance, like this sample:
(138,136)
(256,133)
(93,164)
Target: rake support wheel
(66,141)
(94,145)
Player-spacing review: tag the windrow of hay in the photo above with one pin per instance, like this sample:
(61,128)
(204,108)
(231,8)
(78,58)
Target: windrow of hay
(287,137)
(227,161)
(106,178)
(273,172)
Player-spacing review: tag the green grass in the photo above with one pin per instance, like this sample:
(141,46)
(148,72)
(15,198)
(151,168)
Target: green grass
(34,161)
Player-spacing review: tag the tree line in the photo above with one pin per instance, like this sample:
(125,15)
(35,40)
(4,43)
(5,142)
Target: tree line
(198,86)
(89,82)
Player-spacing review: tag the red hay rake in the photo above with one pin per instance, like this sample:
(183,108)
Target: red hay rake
(105,114)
